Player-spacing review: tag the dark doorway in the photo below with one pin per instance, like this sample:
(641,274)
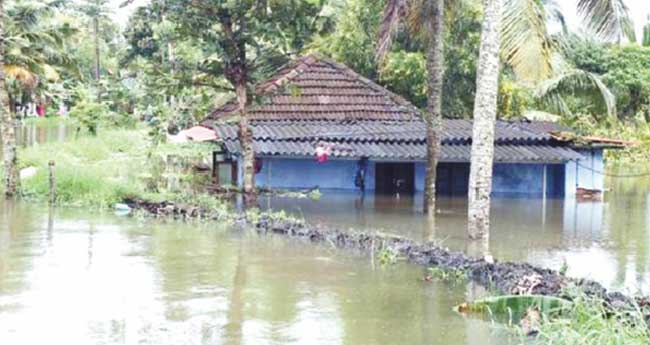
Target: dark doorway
(452,179)
(395,178)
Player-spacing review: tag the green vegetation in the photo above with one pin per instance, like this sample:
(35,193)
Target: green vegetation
(512,309)
(451,275)
(552,320)
(166,67)
(99,171)
(90,171)
(387,255)
(588,322)
(632,159)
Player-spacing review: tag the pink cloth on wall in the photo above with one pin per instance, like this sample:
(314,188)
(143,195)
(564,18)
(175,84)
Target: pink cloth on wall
(323,153)
(40,110)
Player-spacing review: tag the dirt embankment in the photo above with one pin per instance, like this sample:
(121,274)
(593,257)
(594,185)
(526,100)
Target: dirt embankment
(503,277)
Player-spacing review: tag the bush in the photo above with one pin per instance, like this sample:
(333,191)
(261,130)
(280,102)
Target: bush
(90,114)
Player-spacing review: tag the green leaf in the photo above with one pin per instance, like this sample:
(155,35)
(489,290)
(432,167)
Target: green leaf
(512,308)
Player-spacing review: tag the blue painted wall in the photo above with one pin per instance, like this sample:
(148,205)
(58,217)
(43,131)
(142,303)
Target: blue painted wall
(586,173)
(509,179)
(307,173)
(528,179)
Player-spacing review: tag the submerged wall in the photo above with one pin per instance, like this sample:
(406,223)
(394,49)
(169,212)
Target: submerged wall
(529,179)
(509,179)
(307,173)
(586,173)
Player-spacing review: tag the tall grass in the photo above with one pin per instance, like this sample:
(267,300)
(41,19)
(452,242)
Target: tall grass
(90,171)
(590,323)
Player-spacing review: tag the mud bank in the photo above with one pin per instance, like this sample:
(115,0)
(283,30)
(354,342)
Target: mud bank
(501,277)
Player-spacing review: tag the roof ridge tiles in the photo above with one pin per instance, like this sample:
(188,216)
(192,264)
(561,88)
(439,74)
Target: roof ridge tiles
(336,80)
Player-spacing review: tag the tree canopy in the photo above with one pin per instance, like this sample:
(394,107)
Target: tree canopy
(175,58)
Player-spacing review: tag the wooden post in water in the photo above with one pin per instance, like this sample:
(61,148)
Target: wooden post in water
(544,188)
(52,183)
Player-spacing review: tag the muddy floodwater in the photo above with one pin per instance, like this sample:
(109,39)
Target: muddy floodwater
(70,278)
(78,277)
(30,133)
(607,241)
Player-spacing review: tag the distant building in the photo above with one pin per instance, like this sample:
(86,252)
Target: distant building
(317,123)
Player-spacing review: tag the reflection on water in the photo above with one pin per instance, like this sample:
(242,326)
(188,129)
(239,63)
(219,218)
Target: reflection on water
(608,241)
(76,279)
(33,133)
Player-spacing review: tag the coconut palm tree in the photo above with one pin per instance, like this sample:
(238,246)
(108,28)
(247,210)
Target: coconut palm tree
(485,111)
(97,10)
(530,50)
(30,53)
(424,18)
(36,48)
(8,131)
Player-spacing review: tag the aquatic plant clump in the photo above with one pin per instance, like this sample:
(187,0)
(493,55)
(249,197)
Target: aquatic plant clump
(448,275)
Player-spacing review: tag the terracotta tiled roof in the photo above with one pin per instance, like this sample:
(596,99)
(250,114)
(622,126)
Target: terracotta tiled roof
(315,101)
(315,88)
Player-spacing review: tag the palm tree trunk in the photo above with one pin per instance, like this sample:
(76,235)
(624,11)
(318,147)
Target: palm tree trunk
(8,131)
(246,140)
(646,34)
(97,56)
(435,69)
(485,108)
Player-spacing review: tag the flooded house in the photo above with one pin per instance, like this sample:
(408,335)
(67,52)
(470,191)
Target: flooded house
(317,123)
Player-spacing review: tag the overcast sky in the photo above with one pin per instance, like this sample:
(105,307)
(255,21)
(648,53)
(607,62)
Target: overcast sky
(639,9)
(121,15)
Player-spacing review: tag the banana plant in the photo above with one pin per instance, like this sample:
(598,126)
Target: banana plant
(513,308)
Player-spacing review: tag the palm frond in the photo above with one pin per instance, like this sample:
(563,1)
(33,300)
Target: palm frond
(552,91)
(556,14)
(35,43)
(126,3)
(419,14)
(454,8)
(28,14)
(607,19)
(527,46)
(50,73)
(21,74)
(394,12)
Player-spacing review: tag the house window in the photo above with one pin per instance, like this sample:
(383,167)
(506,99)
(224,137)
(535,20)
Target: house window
(226,177)
(224,169)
